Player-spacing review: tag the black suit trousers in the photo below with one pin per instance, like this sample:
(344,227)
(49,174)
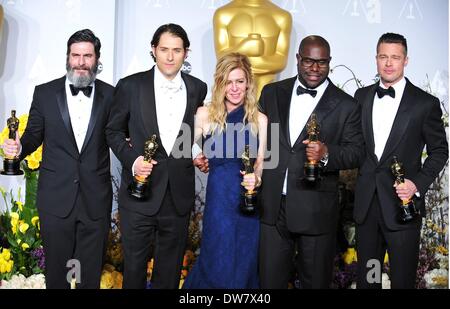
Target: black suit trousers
(165,232)
(283,252)
(75,237)
(373,238)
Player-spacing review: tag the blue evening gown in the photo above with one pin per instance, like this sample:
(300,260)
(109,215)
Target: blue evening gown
(229,248)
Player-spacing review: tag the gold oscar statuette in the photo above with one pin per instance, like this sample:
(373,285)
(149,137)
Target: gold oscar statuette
(11,165)
(248,202)
(312,167)
(408,210)
(138,187)
(258,29)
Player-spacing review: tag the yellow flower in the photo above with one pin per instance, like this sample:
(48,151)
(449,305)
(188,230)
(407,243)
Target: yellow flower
(106,281)
(4,135)
(35,220)
(19,205)
(23,119)
(386,258)
(117,279)
(33,164)
(6,254)
(25,246)
(2,267)
(14,216)
(34,159)
(442,250)
(23,228)
(180,285)
(14,221)
(9,266)
(350,256)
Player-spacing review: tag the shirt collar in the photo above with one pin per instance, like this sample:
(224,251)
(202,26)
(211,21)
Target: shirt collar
(320,89)
(398,86)
(162,81)
(68,82)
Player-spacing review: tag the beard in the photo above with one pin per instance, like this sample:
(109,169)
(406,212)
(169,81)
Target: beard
(81,80)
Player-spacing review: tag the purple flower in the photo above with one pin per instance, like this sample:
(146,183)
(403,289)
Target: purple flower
(38,255)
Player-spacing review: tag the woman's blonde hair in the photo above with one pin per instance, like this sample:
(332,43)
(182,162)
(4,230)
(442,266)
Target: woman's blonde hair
(216,110)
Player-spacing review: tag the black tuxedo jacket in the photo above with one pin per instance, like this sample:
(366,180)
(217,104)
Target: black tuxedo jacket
(65,172)
(134,115)
(309,210)
(417,123)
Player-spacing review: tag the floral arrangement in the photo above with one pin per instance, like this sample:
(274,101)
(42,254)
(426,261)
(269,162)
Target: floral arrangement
(20,232)
(112,277)
(33,160)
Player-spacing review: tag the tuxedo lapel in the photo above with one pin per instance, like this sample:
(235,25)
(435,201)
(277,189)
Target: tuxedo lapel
(148,107)
(326,104)
(284,104)
(61,99)
(96,108)
(191,107)
(400,123)
(367,125)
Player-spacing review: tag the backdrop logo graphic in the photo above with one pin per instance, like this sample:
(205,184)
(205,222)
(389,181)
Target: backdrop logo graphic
(158,3)
(293,6)
(411,10)
(371,9)
(134,66)
(73,11)
(439,86)
(14,2)
(38,72)
(186,68)
(213,4)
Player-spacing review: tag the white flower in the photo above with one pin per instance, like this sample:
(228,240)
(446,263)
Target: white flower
(20,282)
(436,279)
(385,281)
(443,261)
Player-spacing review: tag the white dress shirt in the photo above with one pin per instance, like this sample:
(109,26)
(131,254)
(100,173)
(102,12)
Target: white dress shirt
(170,101)
(80,107)
(300,111)
(383,115)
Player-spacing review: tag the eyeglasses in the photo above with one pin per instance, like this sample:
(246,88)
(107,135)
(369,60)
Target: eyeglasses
(309,62)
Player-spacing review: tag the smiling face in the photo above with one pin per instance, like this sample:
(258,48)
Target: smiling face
(236,89)
(313,64)
(81,64)
(391,62)
(170,55)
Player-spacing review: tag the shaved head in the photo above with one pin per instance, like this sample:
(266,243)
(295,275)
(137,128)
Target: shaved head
(314,40)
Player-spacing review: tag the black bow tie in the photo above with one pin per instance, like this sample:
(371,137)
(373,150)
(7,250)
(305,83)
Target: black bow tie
(301,90)
(86,90)
(381,92)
